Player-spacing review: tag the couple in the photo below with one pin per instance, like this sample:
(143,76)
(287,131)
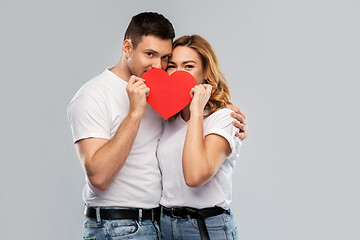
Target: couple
(134,160)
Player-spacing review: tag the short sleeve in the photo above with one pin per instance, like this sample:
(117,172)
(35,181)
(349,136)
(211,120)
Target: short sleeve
(220,123)
(88,117)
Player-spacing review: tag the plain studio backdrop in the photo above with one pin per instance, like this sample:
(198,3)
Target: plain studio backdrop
(293,68)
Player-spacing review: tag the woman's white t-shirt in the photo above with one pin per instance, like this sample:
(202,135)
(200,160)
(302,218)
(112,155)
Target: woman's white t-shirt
(216,192)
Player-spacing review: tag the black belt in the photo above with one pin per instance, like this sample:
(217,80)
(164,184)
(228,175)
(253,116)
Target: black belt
(198,214)
(114,213)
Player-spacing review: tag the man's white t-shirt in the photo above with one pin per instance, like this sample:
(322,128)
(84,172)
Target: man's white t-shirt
(96,111)
(216,192)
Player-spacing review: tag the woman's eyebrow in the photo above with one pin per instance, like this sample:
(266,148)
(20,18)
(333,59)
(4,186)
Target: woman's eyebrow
(189,61)
(185,62)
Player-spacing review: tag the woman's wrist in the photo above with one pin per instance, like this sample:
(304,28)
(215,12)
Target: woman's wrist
(196,114)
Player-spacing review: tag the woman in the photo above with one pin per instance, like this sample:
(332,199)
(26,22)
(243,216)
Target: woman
(197,168)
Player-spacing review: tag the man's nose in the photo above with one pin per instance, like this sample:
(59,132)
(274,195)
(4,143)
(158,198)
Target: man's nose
(156,63)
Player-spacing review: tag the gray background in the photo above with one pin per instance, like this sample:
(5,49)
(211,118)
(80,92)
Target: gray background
(293,67)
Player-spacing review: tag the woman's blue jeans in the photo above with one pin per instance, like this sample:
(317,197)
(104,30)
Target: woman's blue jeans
(220,227)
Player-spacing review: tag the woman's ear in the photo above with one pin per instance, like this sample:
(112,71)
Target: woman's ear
(127,47)
(205,77)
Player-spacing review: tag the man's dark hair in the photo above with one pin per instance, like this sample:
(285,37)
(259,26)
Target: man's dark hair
(149,23)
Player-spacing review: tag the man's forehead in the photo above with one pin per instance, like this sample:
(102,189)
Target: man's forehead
(151,40)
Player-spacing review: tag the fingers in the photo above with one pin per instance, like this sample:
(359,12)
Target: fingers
(192,92)
(232,107)
(137,87)
(201,88)
(200,96)
(241,135)
(238,117)
(133,79)
(195,90)
(235,109)
(240,112)
(241,124)
(237,124)
(136,82)
(208,89)
(142,89)
(137,92)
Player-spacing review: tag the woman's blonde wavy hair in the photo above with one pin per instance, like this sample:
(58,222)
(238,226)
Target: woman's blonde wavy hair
(220,94)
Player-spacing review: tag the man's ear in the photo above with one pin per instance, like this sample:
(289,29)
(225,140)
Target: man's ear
(127,47)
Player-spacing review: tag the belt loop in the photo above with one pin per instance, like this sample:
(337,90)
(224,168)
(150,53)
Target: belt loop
(161,211)
(98,218)
(152,211)
(140,216)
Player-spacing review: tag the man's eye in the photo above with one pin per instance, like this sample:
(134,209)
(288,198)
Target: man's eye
(165,57)
(150,54)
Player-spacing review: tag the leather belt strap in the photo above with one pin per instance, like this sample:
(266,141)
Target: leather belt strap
(114,213)
(198,214)
(183,212)
(204,234)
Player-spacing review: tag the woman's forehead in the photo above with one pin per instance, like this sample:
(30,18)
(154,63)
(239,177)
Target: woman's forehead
(182,54)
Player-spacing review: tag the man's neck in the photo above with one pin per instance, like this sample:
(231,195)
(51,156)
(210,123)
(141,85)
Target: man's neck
(185,113)
(122,70)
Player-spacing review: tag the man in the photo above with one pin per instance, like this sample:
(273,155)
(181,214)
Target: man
(116,136)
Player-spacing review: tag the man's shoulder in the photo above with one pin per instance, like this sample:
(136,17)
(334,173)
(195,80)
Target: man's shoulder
(99,86)
(95,83)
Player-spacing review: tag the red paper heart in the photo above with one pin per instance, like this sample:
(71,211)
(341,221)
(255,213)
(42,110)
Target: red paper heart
(168,94)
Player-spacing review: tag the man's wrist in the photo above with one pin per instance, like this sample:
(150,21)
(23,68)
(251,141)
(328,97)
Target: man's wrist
(135,115)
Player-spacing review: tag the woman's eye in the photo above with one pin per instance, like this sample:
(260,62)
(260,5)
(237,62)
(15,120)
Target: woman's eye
(171,66)
(189,66)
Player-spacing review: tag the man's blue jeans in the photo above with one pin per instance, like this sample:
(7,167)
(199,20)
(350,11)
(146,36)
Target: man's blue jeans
(120,229)
(220,227)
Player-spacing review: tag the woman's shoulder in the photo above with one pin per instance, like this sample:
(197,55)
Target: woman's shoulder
(219,119)
(221,113)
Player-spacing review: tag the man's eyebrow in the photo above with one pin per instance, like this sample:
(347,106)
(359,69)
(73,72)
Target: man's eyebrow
(151,50)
